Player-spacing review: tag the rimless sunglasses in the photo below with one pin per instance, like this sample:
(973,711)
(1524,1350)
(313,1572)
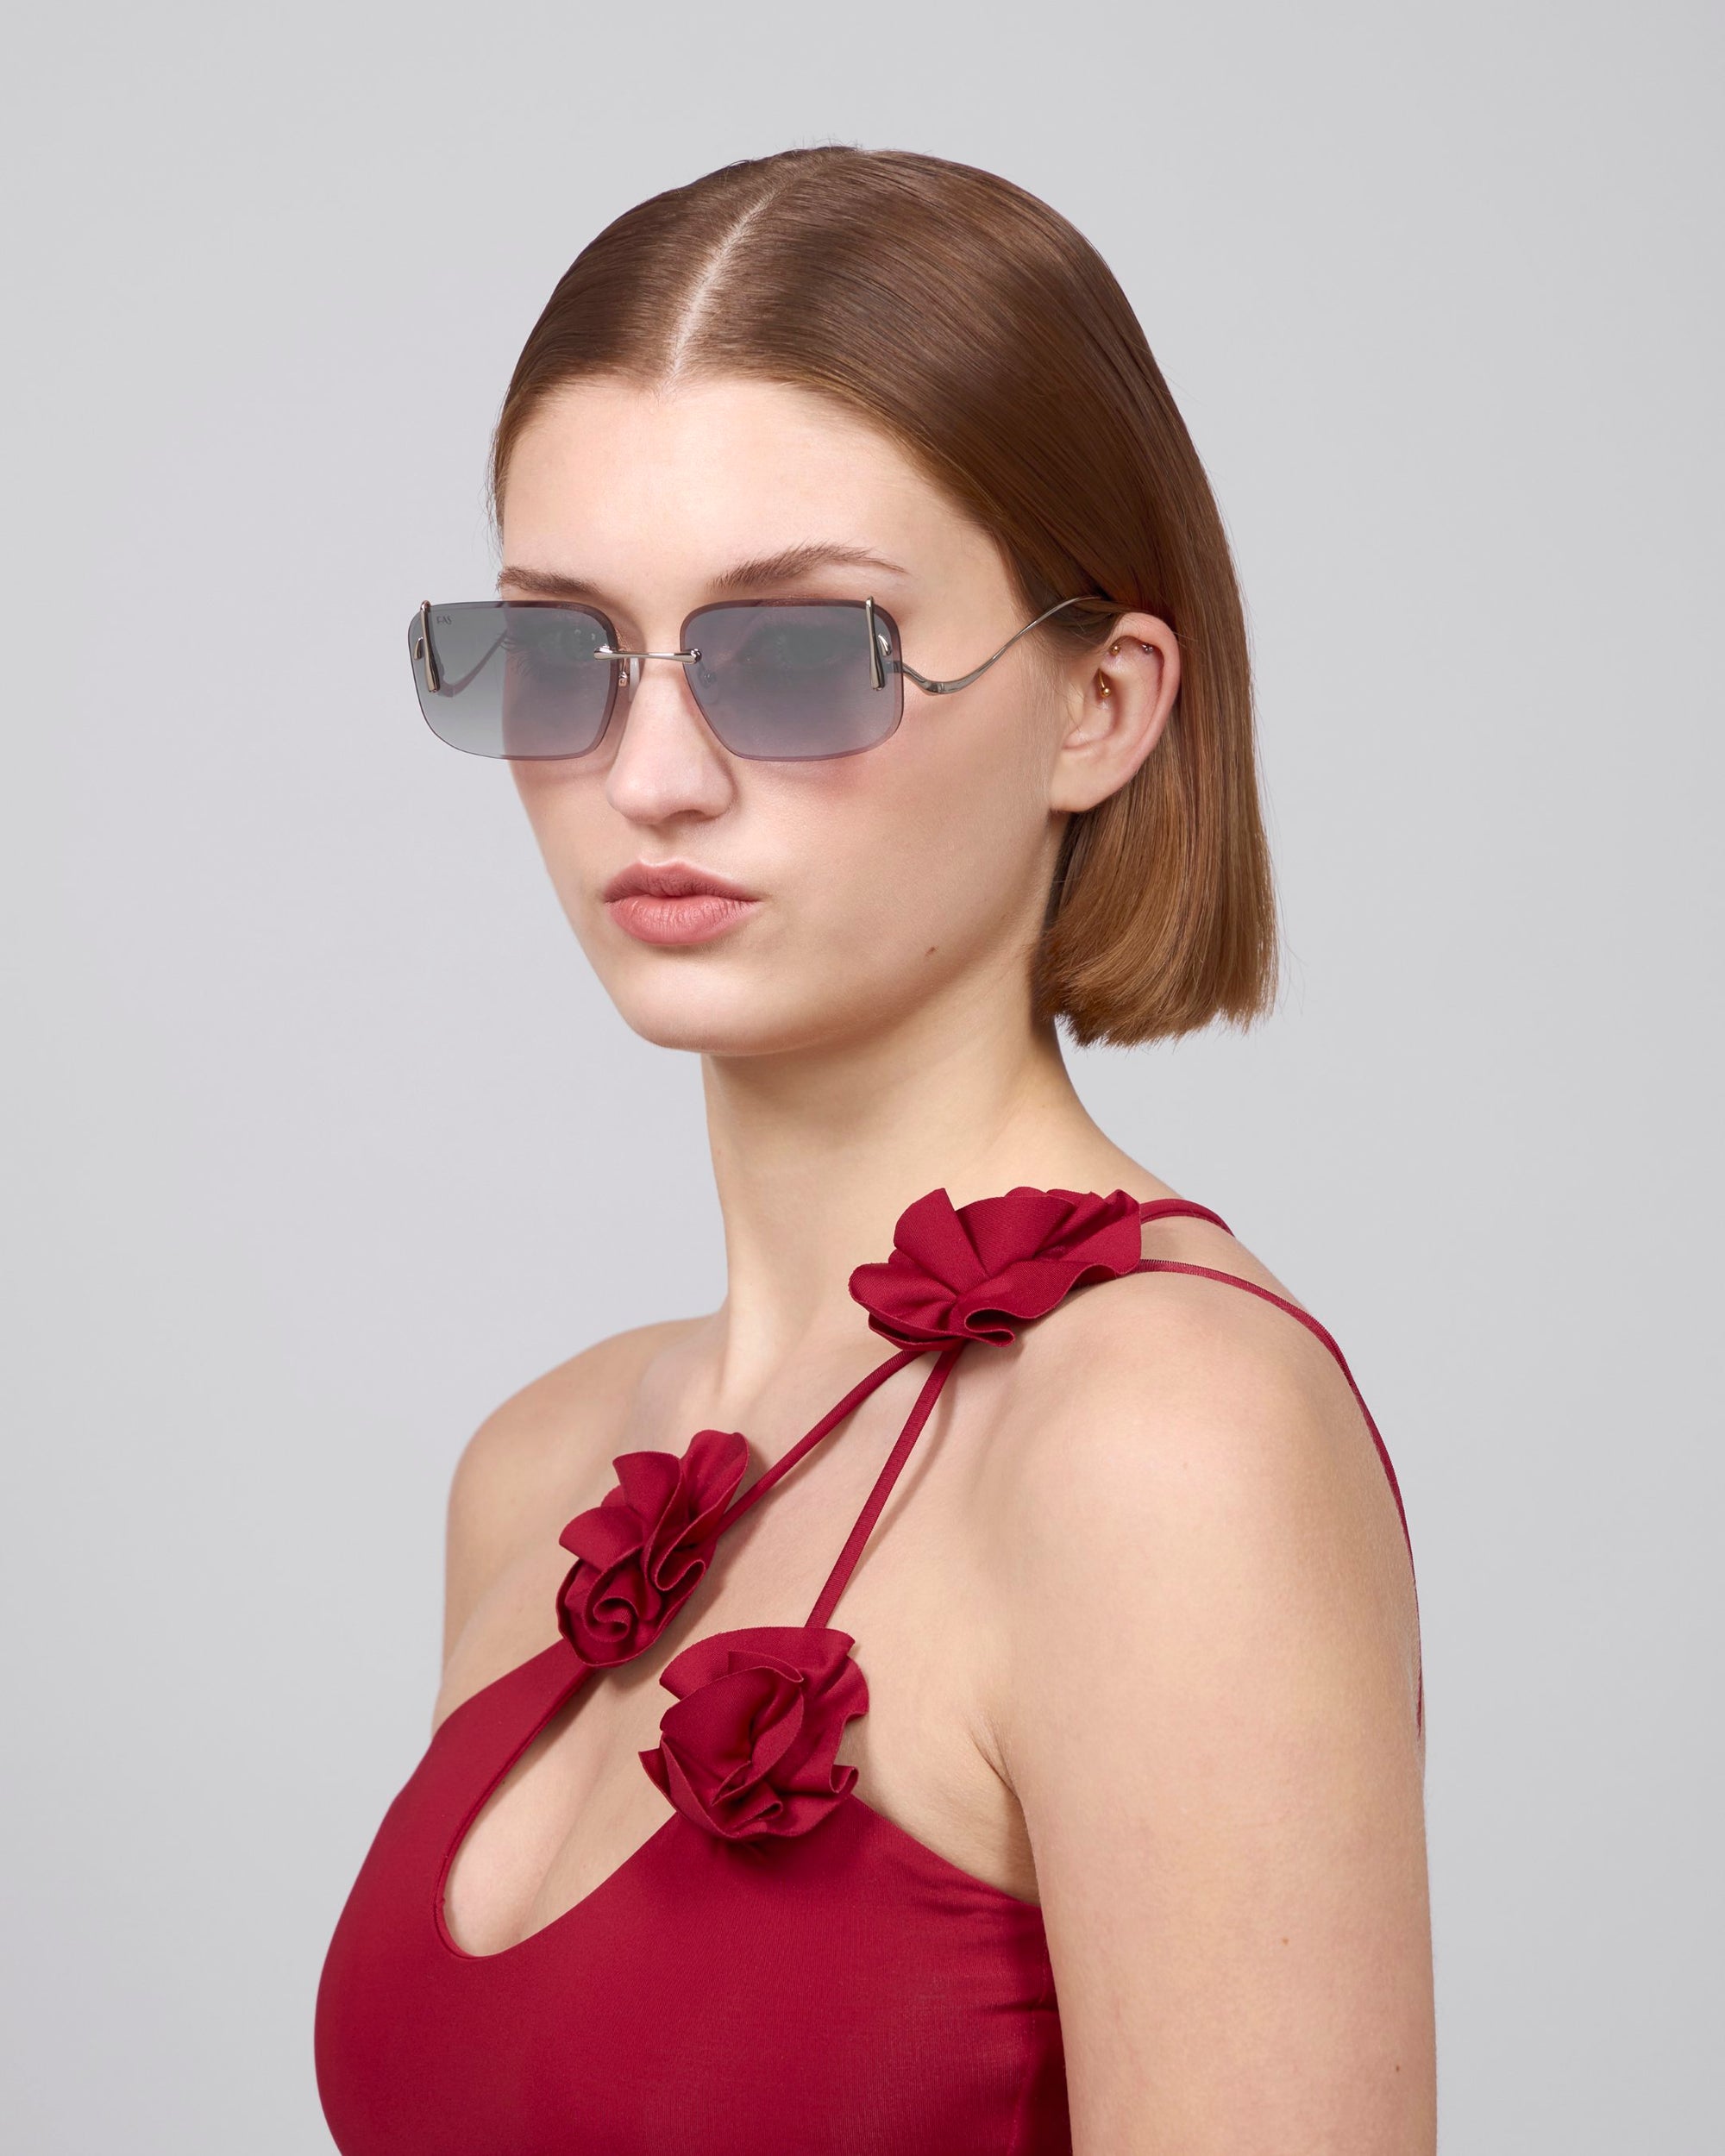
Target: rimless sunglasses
(781,679)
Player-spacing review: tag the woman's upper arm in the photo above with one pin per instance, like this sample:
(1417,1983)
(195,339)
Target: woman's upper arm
(1208,1719)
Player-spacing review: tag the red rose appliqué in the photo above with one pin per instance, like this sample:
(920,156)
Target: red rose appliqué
(642,1551)
(748,1749)
(977,1272)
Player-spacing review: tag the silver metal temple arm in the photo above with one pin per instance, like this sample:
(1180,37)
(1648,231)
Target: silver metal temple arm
(964,681)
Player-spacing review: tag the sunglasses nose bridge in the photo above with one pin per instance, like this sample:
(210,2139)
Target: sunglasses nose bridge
(633,673)
(631,661)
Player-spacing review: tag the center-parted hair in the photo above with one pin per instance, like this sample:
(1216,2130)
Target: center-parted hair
(985,335)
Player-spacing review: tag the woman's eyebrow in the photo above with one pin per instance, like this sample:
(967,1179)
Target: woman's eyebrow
(546,584)
(765,570)
(792,562)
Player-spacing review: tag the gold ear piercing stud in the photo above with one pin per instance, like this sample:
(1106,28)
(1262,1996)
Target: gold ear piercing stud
(1105,687)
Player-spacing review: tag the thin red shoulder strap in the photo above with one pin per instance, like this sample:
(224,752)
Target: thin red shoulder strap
(1305,1317)
(828,1423)
(840,1574)
(1321,1332)
(1163,1208)
(1170,1208)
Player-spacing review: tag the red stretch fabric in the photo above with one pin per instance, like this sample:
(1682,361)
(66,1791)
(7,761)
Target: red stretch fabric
(779,1967)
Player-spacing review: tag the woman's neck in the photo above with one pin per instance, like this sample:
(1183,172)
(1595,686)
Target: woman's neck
(816,1154)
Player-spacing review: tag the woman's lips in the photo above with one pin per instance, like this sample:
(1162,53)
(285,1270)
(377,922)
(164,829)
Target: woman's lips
(675,902)
(695,917)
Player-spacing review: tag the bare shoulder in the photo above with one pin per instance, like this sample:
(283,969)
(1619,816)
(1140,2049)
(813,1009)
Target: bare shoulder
(538,1437)
(536,1458)
(1173,1421)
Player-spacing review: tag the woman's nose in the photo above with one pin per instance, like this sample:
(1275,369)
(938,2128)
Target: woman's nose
(667,762)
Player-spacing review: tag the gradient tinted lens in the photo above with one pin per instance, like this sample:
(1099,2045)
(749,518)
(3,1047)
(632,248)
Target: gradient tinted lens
(515,681)
(792,680)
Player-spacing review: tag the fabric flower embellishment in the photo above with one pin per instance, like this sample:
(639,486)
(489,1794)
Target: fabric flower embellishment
(641,1552)
(748,1750)
(979,1271)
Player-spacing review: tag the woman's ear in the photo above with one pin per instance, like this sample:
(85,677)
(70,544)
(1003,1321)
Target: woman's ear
(1119,697)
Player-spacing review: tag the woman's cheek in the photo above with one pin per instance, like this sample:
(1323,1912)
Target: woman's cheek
(930,894)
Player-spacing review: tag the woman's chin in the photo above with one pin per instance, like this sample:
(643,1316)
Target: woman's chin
(713,1017)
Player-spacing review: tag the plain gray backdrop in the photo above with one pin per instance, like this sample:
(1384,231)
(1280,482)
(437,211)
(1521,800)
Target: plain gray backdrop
(322,1139)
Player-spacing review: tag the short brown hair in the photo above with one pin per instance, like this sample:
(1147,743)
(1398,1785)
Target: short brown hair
(986,336)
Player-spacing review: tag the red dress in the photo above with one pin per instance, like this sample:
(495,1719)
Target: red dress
(780,1970)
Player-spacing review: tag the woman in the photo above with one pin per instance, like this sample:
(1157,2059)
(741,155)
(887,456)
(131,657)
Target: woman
(1041,1760)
